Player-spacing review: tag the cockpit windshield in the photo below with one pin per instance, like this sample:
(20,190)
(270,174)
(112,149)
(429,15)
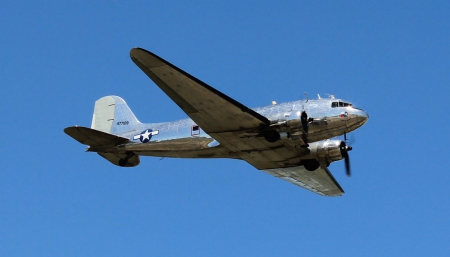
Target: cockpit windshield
(340,104)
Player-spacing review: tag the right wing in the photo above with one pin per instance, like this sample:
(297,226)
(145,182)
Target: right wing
(211,109)
(220,116)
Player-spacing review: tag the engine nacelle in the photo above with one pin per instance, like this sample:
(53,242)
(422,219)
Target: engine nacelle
(327,151)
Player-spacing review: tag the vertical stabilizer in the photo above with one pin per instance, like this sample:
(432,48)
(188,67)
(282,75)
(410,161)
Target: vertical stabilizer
(112,115)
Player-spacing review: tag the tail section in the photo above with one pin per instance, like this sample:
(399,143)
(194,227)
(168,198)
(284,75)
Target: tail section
(112,118)
(104,144)
(112,115)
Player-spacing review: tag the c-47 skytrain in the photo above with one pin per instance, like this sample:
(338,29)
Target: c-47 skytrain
(291,141)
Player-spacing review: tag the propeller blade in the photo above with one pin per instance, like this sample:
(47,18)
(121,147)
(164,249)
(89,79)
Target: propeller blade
(346,156)
(352,139)
(347,166)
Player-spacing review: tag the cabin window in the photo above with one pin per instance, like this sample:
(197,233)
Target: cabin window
(340,104)
(195,130)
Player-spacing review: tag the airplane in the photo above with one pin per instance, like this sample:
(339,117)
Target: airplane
(295,141)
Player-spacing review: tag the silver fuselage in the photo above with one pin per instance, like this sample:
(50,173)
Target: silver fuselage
(182,138)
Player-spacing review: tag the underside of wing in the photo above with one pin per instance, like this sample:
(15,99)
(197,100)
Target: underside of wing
(212,110)
(281,159)
(319,181)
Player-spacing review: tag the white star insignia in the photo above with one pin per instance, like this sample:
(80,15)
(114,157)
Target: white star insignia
(146,135)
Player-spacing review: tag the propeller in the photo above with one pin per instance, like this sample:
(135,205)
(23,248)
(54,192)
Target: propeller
(351,139)
(344,152)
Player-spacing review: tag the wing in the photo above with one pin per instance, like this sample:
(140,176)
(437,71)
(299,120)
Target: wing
(319,181)
(227,121)
(220,116)
(212,110)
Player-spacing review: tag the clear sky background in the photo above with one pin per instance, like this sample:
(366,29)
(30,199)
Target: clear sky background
(390,58)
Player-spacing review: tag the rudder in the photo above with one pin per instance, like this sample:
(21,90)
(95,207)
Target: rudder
(112,115)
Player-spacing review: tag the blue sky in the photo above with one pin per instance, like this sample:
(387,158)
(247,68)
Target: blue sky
(391,59)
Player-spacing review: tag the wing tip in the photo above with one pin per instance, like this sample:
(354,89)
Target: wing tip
(136,51)
(142,57)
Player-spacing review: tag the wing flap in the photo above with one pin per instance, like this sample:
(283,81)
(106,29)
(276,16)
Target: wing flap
(212,110)
(320,181)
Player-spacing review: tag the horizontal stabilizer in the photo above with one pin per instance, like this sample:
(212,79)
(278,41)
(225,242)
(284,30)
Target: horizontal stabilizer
(114,158)
(92,137)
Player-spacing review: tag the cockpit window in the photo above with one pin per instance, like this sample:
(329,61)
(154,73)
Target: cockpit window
(340,104)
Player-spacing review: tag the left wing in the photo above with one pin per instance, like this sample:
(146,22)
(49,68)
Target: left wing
(319,181)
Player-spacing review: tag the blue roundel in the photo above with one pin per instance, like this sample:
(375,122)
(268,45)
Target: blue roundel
(146,135)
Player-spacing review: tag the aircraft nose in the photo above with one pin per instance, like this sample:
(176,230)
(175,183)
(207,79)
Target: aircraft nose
(363,116)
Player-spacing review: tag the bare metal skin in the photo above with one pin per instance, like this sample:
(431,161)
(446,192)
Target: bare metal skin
(290,140)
